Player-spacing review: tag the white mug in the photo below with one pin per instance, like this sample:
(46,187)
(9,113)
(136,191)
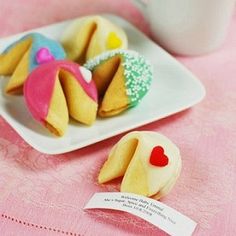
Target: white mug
(188,27)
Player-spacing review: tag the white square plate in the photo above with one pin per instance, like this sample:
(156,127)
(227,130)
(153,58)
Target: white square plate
(174,89)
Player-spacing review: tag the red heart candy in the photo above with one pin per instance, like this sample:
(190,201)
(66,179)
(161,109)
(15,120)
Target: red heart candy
(43,55)
(158,158)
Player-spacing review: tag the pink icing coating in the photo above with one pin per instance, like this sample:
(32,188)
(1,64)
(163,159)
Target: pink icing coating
(38,88)
(43,55)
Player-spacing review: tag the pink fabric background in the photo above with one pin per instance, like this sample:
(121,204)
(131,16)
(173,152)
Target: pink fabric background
(44,195)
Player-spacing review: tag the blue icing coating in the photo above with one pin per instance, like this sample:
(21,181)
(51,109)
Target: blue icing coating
(40,41)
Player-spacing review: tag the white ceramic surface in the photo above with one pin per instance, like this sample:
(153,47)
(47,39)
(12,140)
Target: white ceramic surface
(189,27)
(174,89)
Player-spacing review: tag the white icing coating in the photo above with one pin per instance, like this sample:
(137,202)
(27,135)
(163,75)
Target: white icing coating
(159,180)
(87,75)
(98,41)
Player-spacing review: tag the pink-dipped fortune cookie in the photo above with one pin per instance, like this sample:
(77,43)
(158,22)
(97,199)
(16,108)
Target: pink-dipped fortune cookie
(59,89)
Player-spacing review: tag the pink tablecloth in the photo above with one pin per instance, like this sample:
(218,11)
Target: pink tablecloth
(44,195)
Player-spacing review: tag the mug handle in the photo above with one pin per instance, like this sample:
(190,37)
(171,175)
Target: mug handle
(141,5)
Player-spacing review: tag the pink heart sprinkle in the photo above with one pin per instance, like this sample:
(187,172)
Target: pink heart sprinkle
(43,55)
